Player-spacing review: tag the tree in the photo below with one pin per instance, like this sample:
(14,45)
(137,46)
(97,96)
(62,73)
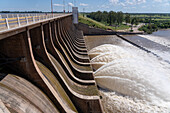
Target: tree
(98,16)
(120,17)
(127,18)
(132,22)
(104,17)
(136,21)
(111,18)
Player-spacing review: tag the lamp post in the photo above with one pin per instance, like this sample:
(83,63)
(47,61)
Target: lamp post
(63,6)
(51,6)
(68,8)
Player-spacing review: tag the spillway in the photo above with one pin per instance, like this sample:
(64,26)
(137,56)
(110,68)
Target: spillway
(49,75)
(130,79)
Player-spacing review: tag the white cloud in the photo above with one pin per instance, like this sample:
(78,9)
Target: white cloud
(71,4)
(143,6)
(83,4)
(104,6)
(140,1)
(134,7)
(59,5)
(123,4)
(167,4)
(126,3)
(134,2)
(158,0)
(114,1)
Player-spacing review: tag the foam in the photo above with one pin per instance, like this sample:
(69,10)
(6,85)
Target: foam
(104,57)
(114,103)
(110,56)
(137,79)
(157,39)
(103,49)
(132,72)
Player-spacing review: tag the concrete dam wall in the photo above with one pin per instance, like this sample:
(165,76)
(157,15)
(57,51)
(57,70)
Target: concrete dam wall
(44,67)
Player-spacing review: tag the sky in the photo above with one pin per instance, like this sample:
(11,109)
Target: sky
(130,6)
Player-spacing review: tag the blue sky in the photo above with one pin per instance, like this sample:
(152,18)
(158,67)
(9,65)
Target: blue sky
(131,6)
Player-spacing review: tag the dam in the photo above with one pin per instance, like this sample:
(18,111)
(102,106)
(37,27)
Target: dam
(45,67)
(50,64)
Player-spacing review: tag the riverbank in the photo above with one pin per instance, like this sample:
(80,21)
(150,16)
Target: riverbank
(149,28)
(88,30)
(135,28)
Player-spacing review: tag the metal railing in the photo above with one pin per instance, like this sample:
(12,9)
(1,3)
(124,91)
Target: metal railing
(8,21)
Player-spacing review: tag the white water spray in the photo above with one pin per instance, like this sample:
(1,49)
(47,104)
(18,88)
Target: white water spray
(132,75)
(108,54)
(129,77)
(157,39)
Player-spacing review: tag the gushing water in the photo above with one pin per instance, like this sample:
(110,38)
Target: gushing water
(107,53)
(136,74)
(157,39)
(129,77)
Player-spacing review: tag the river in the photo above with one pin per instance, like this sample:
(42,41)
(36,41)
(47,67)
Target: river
(130,79)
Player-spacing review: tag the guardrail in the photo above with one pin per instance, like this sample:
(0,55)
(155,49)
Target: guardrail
(17,20)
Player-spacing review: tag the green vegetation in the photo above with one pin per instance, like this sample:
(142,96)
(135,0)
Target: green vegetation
(153,23)
(96,24)
(152,15)
(154,26)
(133,21)
(109,18)
(114,20)
(149,28)
(127,18)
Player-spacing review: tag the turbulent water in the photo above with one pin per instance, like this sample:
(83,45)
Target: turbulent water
(131,79)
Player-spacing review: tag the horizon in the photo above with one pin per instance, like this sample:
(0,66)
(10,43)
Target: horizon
(126,6)
(66,12)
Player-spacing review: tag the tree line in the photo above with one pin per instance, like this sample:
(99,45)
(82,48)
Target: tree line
(113,18)
(117,18)
(154,25)
(107,17)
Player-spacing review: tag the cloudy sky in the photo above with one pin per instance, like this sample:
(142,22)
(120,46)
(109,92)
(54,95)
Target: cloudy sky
(132,6)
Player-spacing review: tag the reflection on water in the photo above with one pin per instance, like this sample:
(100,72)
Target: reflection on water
(133,80)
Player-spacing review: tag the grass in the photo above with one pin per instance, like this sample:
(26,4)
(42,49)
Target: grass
(152,16)
(96,24)
(162,19)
